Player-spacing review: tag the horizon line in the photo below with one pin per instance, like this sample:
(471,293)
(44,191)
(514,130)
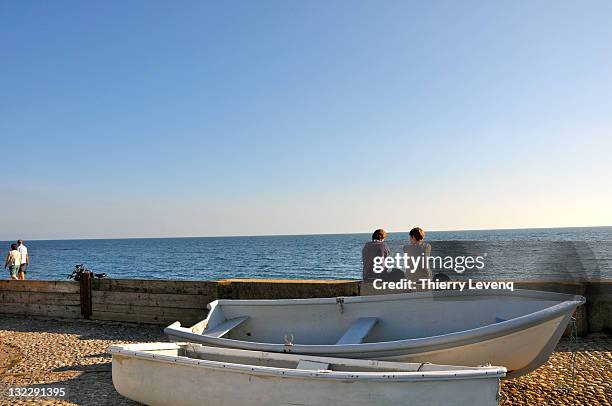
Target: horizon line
(298,235)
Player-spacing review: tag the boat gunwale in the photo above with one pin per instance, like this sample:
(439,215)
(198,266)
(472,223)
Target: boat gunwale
(391,376)
(432,343)
(535,294)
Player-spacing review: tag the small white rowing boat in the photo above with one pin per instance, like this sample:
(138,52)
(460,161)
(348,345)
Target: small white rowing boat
(518,330)
(192,374)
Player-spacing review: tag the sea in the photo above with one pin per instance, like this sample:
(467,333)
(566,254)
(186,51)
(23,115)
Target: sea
(525,254)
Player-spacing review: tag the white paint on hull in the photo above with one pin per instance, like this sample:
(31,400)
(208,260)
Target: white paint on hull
(518,330)
(191,374)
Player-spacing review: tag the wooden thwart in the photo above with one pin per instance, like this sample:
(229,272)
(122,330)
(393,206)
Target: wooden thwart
(312,365)
(358,331)
(224,328)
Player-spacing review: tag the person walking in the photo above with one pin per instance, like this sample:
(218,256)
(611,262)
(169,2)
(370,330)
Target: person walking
(13,261)
(25,259)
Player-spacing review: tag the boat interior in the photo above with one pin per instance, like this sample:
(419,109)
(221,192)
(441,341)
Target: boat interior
(289,361)
(365,322)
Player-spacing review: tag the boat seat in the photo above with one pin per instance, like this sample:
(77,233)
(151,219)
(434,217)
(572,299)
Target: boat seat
(225,327)
(312,365)
(358,331)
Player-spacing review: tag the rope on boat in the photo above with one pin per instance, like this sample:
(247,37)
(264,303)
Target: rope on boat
(340,302)
(575,346)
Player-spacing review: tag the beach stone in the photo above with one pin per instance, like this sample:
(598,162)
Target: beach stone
(552,382)
(71,354)
(68,354)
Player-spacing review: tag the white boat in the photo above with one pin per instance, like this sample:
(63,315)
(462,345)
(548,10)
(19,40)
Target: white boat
(192,374)
(518,330)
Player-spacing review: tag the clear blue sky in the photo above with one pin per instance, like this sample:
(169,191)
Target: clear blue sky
(145,118)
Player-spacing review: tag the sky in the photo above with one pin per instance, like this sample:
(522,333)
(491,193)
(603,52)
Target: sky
(198,118)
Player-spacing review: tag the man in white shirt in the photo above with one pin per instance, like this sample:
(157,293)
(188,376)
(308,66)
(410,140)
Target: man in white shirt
(25,259)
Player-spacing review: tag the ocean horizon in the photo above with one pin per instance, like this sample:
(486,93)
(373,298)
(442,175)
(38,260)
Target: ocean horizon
(515,254)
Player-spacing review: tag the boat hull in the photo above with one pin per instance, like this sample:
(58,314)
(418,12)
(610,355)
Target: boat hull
(158,382)
(520,352)
(522,340)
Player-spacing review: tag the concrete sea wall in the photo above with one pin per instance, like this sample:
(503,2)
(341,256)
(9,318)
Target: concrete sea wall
(165,301)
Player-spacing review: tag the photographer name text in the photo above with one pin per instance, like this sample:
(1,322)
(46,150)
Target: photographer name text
(428,284)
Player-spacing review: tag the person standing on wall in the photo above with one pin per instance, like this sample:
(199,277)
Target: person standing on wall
(25,259)
(13,261)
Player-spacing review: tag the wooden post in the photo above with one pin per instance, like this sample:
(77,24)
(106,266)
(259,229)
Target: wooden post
(85,290)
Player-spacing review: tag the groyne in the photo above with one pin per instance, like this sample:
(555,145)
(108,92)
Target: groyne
(165,301)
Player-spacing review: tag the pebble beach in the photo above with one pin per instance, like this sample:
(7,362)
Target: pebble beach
(71,354)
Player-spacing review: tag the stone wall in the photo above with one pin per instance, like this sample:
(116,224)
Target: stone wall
(165,301)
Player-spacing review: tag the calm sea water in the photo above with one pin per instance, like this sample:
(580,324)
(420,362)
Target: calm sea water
(515,254)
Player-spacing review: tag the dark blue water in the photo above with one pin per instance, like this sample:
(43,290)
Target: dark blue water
(511,254)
